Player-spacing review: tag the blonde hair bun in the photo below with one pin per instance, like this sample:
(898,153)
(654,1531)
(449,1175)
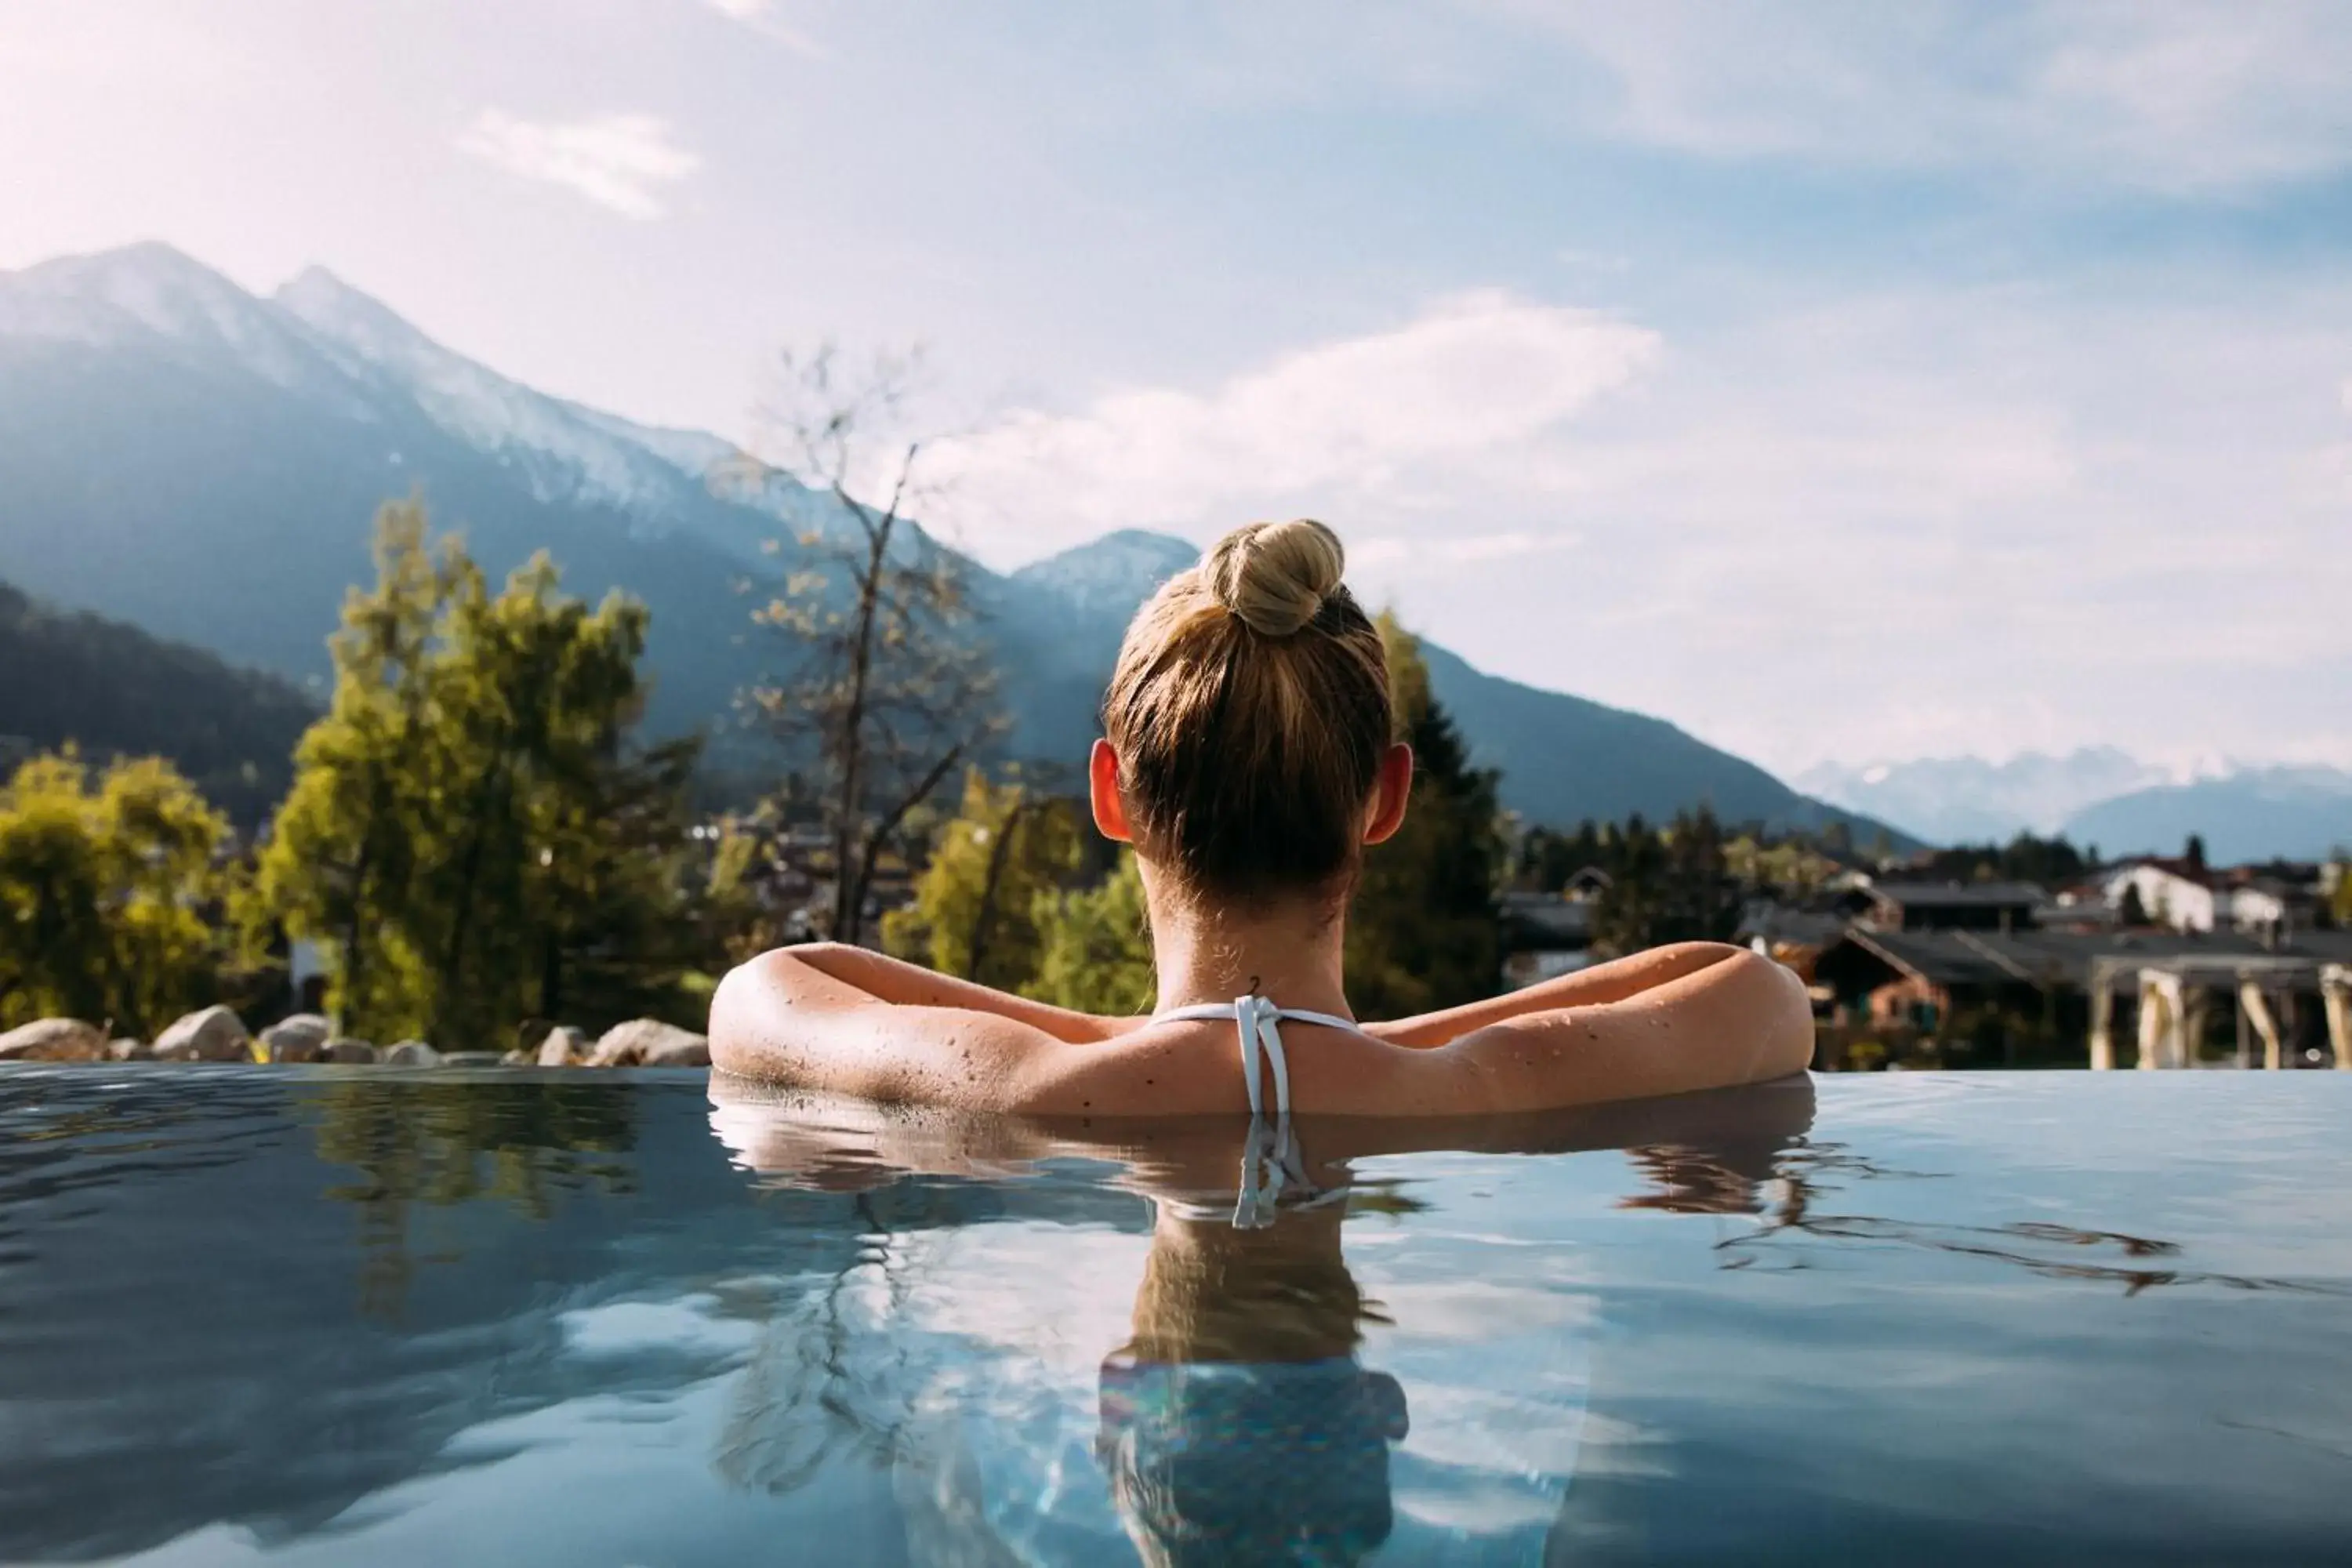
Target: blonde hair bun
(1275,576)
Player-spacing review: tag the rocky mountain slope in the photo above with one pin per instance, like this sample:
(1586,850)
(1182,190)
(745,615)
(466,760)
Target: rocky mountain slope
(179,453)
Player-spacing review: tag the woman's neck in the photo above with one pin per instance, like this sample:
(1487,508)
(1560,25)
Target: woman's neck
(1290,952)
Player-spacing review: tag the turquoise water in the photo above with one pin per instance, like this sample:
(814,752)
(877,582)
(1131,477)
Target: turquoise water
(376,1318)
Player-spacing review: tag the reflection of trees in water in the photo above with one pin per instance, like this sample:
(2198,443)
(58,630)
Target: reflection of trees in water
(525,1143)
(1811,1172)
(828,1379)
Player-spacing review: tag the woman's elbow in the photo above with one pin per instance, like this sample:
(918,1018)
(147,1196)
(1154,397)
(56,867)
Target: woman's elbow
(745,1007)
(1786,1015)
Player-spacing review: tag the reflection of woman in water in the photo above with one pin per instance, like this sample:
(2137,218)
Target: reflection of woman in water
(1237,1424)
(1249,757)
(1237,1420)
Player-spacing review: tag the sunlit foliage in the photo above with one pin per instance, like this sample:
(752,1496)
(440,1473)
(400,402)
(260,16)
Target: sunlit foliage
(470,837)
(107,883)
(1096,948)
(992,867)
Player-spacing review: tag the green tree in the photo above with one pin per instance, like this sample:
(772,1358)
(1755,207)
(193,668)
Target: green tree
(105,893)
(344,848)
(1676,885)
(1094,948)
(976,906)
(1422,929)
(471,835)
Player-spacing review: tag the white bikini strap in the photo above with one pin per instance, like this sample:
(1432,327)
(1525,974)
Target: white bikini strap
(1269,1154)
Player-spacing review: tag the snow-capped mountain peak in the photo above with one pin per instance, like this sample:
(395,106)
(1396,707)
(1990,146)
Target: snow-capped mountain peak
(1112,575)
(152,295)
(564,457)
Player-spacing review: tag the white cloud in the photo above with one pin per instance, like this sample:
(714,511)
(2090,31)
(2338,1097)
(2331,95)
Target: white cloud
(1939,521)
(2193,95)
(759,15)
(1381,426)
(618,161)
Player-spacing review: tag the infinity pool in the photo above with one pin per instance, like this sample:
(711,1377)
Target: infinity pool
(380,1318)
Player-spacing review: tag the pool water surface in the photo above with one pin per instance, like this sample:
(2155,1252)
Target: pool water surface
(373,1317)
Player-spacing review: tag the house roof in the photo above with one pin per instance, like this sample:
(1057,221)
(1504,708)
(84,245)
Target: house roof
(1961,895)
(1542,923)
(1779,923)
(2186,870)
(2061,958)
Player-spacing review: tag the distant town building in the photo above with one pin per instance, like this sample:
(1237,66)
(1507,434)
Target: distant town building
(1544,936)
(2187,897)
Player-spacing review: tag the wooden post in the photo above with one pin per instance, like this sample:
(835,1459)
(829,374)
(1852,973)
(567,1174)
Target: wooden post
(2252,1008)
(2102,1020)
(2336,988)
(2188,1022)
(2155,1019)
(2245,1048)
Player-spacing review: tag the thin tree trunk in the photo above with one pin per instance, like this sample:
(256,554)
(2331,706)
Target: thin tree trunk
(354,953)
(983,920)
(897,815)
(848,907)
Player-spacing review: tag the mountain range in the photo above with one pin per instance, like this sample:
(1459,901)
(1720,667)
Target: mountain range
(110,689)
(181,454)
(2103,797)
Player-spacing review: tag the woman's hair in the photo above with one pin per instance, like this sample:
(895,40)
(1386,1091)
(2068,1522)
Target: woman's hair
(1249,709)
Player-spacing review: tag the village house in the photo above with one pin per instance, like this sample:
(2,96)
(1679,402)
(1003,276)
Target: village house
(1544,936)
(2190,896)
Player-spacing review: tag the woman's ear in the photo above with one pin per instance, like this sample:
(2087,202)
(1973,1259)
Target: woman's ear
(1102,788)
(1390,794)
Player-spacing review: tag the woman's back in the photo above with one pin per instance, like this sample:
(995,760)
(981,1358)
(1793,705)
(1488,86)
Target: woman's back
(1249,758)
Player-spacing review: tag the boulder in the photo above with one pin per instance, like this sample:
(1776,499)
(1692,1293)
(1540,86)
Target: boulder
(563,1048)
(647,1042)
(53,1040)
(471,1060)
(412,1054)
(130,1050)
(344,1049)
(296,1039)
(214,1035)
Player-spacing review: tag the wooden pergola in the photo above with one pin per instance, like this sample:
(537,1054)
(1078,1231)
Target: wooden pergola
(2176,995)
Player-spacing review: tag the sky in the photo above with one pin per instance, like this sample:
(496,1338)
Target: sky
(1838,381)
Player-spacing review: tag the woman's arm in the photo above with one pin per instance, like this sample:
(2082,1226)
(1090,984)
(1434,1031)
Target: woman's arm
(800,1017)
(1739,1018)
(885,979)
(1615,981)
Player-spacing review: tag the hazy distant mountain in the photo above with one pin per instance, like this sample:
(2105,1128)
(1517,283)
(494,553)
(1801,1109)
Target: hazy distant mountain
(111,689)
(178,452)
(1955,800)
(2295,813)
(2100,795)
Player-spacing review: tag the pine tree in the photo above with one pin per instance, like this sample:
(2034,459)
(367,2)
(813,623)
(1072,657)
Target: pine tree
(1422,929)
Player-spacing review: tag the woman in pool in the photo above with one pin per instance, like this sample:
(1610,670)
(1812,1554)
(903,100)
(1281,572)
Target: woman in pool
(1249,756)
